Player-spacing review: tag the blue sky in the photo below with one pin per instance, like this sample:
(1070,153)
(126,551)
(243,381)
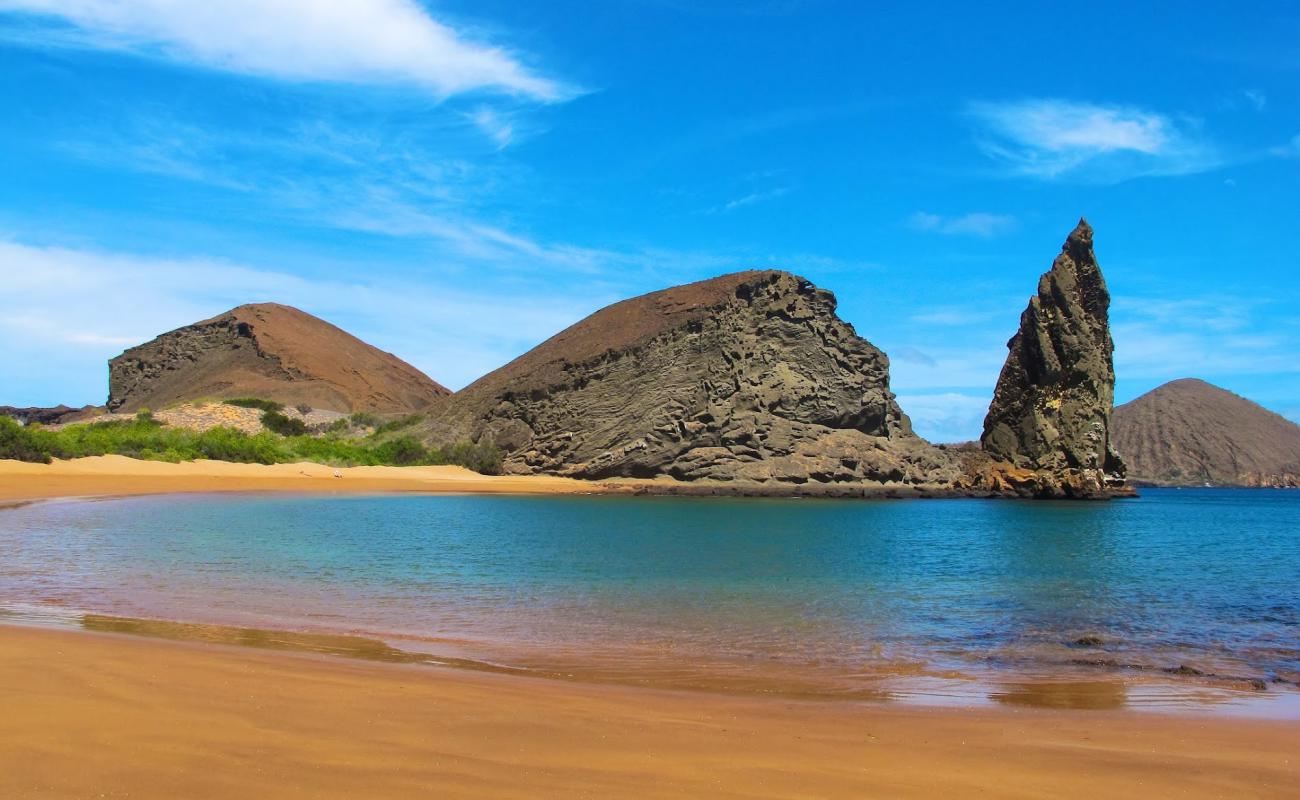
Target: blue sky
(456,181)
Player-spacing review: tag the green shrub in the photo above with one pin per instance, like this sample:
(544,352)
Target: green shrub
(143,437)
(253,402)
(364,419)
(482,458)
(285,426)
(22,442)
(404,451)
(398,424)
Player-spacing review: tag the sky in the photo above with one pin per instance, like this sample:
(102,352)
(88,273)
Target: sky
(454,182)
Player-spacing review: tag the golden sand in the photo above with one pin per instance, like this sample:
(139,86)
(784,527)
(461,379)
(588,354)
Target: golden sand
(105,715)
(119,475)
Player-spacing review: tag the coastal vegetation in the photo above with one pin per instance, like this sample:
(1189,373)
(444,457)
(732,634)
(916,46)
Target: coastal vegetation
(145,438)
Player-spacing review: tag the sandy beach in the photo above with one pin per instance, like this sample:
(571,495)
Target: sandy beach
(103,715)
(119,475)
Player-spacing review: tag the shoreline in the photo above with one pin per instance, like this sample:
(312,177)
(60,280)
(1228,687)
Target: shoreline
(90,713)
(905,686)
(120,476)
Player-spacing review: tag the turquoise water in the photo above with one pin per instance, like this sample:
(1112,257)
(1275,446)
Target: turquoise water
(1198,589)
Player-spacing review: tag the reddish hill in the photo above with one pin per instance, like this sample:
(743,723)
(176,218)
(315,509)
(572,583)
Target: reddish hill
(1190,432)
(270,351)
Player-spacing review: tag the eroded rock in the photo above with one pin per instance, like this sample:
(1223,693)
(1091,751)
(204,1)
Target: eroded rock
(745,377)
(1049,425)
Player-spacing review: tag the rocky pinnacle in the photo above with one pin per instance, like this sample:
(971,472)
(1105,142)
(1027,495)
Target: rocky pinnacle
(1051,411)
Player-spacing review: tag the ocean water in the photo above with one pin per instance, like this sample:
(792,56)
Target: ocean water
(1179,598)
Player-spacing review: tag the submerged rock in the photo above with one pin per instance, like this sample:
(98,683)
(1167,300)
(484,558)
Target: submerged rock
(1049,425)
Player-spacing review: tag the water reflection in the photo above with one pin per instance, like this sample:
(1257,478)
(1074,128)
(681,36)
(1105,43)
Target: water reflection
(1092,695)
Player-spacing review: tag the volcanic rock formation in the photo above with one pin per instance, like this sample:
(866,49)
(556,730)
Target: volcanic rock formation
(1051,411)
(749,376)
(1189,432)
(269,351)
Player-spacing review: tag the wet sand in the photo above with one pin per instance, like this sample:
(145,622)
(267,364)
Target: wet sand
(119,475)
(107,715)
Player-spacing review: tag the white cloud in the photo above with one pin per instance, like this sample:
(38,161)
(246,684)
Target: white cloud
(948,416)
(64,312)
(1289,150)
(979,224)
(1162,339)
(493,123)
(1046,138)
(753,198)
(344,41)
(953,316)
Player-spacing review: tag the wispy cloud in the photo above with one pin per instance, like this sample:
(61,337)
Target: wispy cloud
(750,199)
(494,124)
(344,41)
(980,224)
(946,416)
(1289,150)
(1047,138)
(949,316)
(1163,338)
(69,310)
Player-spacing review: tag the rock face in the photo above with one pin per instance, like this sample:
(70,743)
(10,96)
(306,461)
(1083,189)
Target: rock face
(749,376)
(52,415)
(269,351)
(1051,411)
(1189,432)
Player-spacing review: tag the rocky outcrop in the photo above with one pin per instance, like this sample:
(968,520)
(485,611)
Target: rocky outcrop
(53,415)
(747,377)
(1190,433)
(1048,428)
(269,351)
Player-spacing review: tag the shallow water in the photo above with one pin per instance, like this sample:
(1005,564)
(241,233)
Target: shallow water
(1180,598)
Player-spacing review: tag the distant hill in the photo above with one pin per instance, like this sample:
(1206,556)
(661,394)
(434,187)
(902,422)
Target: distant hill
(270,351)
(1189,432)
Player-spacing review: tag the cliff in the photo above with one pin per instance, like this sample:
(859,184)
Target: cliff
(745,377)
(1050,418)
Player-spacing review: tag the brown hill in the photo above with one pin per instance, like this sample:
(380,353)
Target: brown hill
(749,376)
(270,351)
(1189,432)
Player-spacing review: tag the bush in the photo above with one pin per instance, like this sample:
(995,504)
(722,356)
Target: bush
(404,451)
(364,419)
(285,426)
(143,437)
(253,402)
(23,443)
(398,424)
(482,458)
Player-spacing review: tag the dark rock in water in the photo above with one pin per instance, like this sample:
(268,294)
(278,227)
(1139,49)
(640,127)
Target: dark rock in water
(1051,411)
(1189,433)
(749,377)
(272,352)
(1088,641)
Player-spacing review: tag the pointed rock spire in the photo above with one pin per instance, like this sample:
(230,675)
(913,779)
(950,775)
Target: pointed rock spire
(1052,407)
